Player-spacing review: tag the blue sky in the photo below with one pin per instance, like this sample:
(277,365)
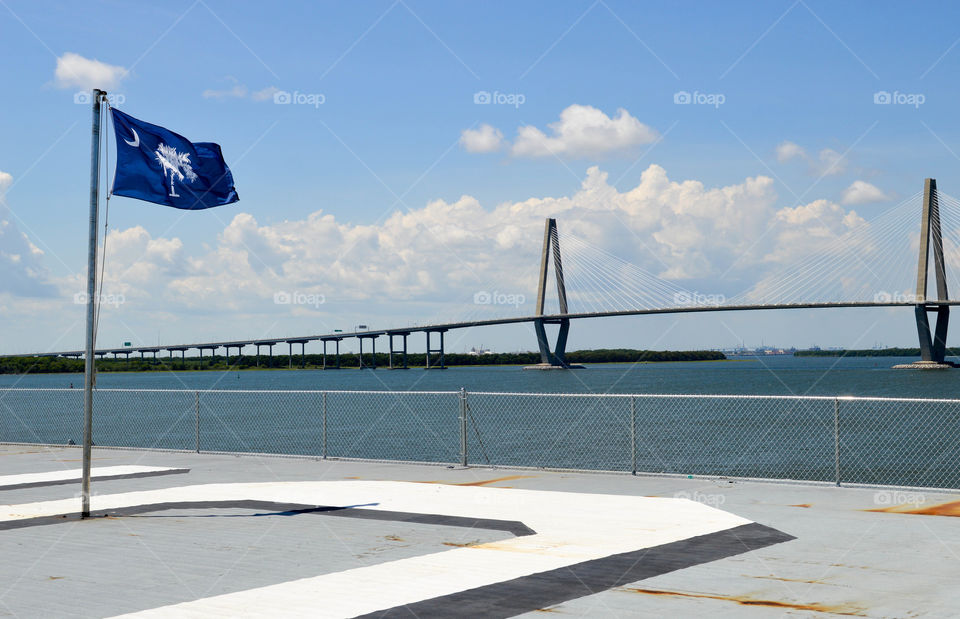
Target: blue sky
(397,81)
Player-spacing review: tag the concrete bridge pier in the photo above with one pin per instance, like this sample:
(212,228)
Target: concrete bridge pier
(373,344)
(933,347)
(438,351)
(303,354)
(239,354)
(183,352)
(269,346)
(393,351)
(213,353)
(555,359)
(335,340)
(558,356)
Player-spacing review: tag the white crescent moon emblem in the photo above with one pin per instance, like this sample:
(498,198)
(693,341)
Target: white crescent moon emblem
(136,139)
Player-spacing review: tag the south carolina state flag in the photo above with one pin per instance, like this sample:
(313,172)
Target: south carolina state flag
(160,166)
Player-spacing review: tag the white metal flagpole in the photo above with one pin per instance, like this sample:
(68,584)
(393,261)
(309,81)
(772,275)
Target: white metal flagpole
(90,357)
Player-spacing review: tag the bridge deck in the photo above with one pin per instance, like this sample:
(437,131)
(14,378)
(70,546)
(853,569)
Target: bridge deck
(220,559)
(480,323)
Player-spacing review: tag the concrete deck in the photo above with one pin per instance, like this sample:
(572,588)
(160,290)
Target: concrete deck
(266,536)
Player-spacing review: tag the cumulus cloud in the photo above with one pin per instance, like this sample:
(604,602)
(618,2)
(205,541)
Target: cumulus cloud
(445,251)
(583,131)
(21,269)
(75,71)
(832,163)
(790,150)
(427,263)
(827,163)
(486,139)
(862,192)
(264,94)
(236,91)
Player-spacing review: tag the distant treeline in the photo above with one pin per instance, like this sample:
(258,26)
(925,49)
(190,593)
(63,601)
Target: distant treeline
(879,352)
(48,365)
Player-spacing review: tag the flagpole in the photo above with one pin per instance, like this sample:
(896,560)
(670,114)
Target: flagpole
(90,358)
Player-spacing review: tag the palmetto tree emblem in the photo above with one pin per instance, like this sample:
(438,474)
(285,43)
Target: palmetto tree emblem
(176,164)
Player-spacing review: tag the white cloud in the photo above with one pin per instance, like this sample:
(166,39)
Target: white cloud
(240,91)
(265,94)
(862,192)
(832,163)
(428,262)
(486,139)
(789,150)
(583,131)
(237,91)
(75,71)
(828,162)
(21,270)
(445,251)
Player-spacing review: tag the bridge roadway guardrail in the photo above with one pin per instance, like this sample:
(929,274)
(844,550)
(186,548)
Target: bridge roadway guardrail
(842,440)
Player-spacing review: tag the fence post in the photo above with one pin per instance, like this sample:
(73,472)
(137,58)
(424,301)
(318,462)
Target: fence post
(196,410)
(463,427)
(836,440)
(633,433)
(324,452)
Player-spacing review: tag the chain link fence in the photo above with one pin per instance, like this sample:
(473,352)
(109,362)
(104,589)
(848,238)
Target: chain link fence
(885,441)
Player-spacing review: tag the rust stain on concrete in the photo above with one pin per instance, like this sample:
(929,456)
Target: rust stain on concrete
(849,610)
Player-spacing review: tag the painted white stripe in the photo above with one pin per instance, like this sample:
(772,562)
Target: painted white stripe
(571,528)
(75,474)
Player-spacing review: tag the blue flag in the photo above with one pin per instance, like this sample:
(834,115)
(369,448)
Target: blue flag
(160,166)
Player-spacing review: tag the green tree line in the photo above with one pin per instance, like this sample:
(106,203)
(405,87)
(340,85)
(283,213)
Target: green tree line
(873,352)
(50,365)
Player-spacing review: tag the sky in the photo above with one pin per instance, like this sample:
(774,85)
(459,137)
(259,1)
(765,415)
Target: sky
(395,161)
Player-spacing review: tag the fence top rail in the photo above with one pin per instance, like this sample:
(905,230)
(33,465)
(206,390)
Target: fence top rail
(717,396)
(527,394)
(198,390)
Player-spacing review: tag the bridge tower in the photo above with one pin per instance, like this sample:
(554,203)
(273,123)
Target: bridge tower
(932,348)
(556,358)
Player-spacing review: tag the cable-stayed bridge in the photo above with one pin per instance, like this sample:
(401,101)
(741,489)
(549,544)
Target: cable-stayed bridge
(882,263)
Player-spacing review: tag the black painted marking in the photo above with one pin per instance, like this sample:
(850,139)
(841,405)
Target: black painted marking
(60,482)
(529,593)
(518,529)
